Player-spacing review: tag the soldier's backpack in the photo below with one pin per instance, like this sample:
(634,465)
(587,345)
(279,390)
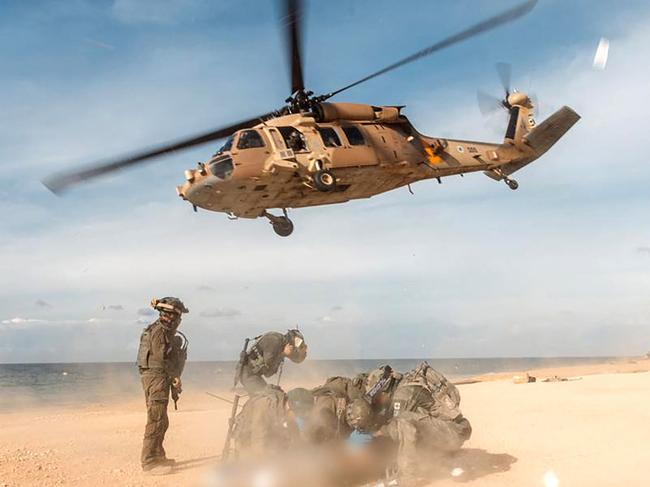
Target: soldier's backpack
(426,388)
(261,425)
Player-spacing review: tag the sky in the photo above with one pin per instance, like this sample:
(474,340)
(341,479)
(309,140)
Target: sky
(469,268)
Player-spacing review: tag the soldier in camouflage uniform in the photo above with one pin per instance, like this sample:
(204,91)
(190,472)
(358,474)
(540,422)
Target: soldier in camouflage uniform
(267,423)
(267,355)
(379,387)
(161,358)
(425,419)
(327,420)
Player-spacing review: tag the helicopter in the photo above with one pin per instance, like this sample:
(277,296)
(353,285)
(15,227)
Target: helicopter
(313,152)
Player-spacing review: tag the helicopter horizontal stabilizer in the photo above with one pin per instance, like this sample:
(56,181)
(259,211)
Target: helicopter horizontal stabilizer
(544,136)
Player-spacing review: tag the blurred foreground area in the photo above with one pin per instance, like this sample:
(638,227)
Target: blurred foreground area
(587,432)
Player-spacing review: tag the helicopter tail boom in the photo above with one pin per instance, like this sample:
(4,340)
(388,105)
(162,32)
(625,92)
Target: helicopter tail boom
(542,137)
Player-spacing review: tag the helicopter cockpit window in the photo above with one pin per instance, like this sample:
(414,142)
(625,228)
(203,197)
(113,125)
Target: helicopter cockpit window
(329,136)
(227,145)
(250,139)
(354,135)
(222,167)
(293,138)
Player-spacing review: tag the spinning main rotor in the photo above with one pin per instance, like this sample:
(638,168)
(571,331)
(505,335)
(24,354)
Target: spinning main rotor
(301,100)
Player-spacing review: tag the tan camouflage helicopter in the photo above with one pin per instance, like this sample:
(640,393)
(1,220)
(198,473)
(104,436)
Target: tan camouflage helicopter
(312,152)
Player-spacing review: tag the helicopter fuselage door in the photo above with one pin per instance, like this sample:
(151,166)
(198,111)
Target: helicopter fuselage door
(356,149)
(250,152)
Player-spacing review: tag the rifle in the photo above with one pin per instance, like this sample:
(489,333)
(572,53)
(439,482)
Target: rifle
(175,398)
(242,361)
(178,356)
(231,425)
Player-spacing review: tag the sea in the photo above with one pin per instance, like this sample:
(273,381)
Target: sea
(74,384)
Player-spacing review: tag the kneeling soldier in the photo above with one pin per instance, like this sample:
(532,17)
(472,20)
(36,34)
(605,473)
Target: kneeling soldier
(426,418)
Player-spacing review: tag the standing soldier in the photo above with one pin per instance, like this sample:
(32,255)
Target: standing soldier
(266,356)
(161,358)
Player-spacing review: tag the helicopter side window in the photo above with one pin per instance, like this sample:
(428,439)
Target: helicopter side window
(293,138)
(354,135)
(329,136)
(250,139)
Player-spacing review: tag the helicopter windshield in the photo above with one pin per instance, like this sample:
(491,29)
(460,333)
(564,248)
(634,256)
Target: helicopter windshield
(222,167)
(227,145)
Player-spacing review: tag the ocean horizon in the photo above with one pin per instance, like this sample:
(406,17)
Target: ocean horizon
(84,383)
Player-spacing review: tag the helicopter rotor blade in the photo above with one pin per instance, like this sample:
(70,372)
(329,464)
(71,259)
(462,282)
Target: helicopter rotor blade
(488,104)
(59,182)
(504,70)
(293,24)
(483,26)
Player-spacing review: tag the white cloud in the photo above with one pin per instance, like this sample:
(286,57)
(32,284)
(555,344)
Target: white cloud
(27,321)
(20,321)
(146,312)
(220,313)
(467,267)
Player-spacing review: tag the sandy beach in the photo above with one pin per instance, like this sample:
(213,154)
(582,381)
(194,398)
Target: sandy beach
(589,431)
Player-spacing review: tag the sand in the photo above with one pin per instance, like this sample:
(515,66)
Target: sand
(593,431)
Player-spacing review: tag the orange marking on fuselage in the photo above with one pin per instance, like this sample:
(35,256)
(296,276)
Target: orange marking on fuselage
(432,156)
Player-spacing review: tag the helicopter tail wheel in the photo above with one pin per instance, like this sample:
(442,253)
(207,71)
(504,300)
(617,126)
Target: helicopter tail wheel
(512,184)
(324,180)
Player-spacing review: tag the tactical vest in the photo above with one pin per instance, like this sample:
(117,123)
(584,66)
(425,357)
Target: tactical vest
(255,357)
(426,390)
(175,352)
(144,351)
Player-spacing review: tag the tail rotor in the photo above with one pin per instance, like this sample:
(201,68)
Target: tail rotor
(489,104)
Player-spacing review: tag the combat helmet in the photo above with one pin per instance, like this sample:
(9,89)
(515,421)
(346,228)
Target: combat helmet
(295,337)
(380,380)
(358,415)
(169,305)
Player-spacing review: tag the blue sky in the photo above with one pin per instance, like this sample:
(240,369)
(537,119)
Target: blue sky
(468,268)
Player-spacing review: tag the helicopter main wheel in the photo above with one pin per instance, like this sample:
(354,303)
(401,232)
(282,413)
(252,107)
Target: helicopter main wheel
(324,180)
(512,184)
(283,226)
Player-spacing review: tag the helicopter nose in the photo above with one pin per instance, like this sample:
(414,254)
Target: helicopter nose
(202,184)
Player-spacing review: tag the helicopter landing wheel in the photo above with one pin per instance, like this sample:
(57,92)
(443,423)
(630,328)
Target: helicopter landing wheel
(324,180)
(512,184)
(283,226)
